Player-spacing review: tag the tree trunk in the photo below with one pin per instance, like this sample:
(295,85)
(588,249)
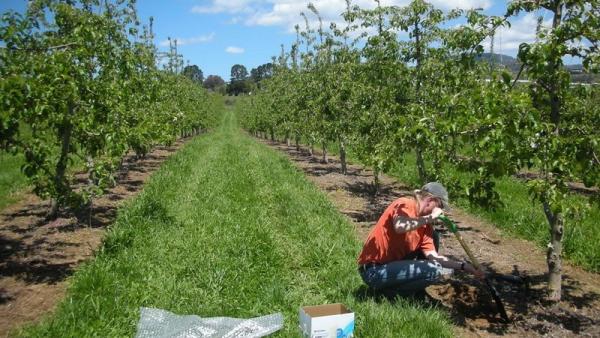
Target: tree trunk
(420,162)
(375,180)
(92,181)
(297,142)
(311,150)
(324,159)
(553,255)
(272,135)
(553,85)
(421,166)
(343,157)
(61,167)
(555,220)
(287,138)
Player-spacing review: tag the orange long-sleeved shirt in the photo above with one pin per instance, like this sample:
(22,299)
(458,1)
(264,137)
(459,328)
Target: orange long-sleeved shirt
(385,245)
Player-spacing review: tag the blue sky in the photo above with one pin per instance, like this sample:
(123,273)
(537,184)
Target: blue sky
(216,34)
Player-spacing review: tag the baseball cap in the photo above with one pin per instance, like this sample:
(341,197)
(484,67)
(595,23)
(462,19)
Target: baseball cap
(437,189)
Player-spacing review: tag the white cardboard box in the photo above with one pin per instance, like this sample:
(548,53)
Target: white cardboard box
(327,321)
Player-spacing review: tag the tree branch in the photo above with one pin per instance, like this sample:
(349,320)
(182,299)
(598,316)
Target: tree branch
(66,45)
(476,130)
(518,76)
(543,85)
(547,211)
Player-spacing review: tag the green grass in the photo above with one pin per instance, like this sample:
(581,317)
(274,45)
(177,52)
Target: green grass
(228,227)
(12,181)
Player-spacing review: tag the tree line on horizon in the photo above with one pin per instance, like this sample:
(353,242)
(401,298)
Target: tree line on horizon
(240,82)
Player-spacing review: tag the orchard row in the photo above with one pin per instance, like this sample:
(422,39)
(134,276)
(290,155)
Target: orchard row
(392,81)
(80,87)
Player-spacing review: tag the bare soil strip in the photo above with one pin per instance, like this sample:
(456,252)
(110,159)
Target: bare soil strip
(470,306)
(37,256)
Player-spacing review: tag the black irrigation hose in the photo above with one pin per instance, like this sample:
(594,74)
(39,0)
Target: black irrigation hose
(491,288)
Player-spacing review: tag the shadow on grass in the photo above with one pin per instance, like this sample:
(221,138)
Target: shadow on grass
(392,295)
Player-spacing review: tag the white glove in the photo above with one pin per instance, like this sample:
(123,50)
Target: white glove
(436,212)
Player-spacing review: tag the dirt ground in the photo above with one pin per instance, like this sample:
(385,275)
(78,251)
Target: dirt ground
(37,256)
(467,300)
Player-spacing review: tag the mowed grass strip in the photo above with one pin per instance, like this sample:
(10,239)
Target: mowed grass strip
(228,227)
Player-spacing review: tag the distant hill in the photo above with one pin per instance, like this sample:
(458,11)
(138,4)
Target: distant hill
(513,65)
(507,61)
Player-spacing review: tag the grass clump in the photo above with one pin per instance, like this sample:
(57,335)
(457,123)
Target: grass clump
(12,181)
(228,227)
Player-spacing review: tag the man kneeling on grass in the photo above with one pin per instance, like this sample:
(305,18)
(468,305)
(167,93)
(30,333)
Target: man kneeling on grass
(400,254)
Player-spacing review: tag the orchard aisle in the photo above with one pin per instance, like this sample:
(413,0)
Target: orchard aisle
(229,227)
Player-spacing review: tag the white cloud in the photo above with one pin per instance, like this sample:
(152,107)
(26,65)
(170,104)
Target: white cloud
(190,41)
(286,13)
(507,40)
(462,4)
(234,50)
(226,6)
(282,13)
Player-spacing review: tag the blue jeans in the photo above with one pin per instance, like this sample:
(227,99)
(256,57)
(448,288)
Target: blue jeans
(407,276)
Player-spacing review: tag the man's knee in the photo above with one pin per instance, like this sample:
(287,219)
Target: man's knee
(442,272)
